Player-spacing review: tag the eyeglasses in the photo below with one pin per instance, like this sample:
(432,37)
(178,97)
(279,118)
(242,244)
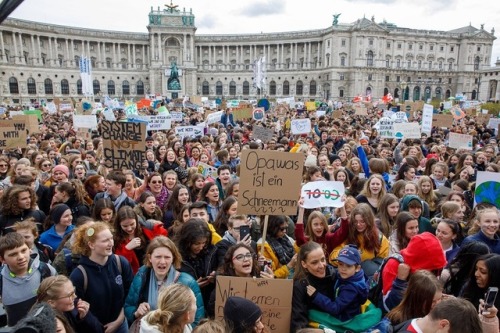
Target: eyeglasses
(46,165)
(3,165)
(243,257)
(156,182)
(70,295)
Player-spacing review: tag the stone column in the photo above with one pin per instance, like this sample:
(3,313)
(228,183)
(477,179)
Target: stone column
(21,51)
(160,50)
(72,52)
(144,62)
(99,56)
(192,51)
(128,56)
(185,49)
(16,55)
(32,48)
(67,53)
(2,45)
(39,49)
(318,54)
(133,55)
(152,46)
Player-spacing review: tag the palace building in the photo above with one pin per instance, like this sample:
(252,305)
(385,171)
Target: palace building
(40,61)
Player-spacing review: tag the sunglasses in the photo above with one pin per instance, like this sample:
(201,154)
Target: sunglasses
(45,165)
(156,182)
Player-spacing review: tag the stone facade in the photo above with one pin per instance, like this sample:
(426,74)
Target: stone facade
(40,61)
(490,83)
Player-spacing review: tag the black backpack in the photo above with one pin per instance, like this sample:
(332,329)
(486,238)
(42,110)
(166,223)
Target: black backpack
(376,284)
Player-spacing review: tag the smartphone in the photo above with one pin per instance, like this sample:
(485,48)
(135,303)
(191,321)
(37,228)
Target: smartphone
(266,263)
(490,297)
(244,230)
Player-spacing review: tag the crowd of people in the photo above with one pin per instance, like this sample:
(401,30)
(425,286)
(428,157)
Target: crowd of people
(102,250)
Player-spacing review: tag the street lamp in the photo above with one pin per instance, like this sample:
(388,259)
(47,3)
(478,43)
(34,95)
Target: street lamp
(403,90)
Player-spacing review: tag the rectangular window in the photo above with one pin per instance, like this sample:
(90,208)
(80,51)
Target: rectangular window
(91,47)
(420,47)
(370,77)
(107,48)
(341,77)
(388,45)
(399,46)
(449,80)
(410,47)
(398,78)
(387,78)
(452,48)
(431,47)
(441,48)
(478,48)
(76,47)
(370,42)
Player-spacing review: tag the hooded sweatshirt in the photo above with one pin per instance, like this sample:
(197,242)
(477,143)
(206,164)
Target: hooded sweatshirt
(423,252)
(423,223)
(19,292)
(148,328)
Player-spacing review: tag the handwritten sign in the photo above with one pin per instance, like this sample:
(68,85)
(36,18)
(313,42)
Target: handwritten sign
(272,296)
(123,144)
(176,116)
(262,133)
(493,123)
(442,120)
(189,131)
(323,194)
(427,119)
(13,133)
(456,140)
(31,122)
(154,123)
(407,130)
(243,113)
(84,121)
(65,107)
(301,126)
(214,117)
(486,184)
(400,117)
(386,127)
(269,182)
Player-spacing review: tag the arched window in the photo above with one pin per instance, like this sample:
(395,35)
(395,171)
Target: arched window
(232,88)
(31,86)
(96,86)
(111,87)
(416,93)
(396,93)
(476,64)
(79,87)
(272,88)
(438,93)
(369,59)
(299,88)
(13,86)
(218,88)
(139,87)
(286,88)
(49,88)
(205,89)
(386,91)
(312,88)
(427,93)
(126,87)
(246,88)
(64,87)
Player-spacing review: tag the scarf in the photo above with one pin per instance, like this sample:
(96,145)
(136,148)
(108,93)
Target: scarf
(283,248)
(119,199)
(162,198)
(154,287)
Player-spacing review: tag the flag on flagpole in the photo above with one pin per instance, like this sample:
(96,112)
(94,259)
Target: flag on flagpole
(86,76)
(262,68)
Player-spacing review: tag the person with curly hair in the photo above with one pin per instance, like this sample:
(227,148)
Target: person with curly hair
(18,204)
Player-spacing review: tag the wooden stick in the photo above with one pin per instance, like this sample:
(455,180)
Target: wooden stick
(264,234)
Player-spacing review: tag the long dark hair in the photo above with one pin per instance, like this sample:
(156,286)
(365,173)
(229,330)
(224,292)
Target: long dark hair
(193,230)
(472,291)
(220,223)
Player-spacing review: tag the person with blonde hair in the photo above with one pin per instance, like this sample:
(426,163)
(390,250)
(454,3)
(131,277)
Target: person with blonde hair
(373,191)
(175,313)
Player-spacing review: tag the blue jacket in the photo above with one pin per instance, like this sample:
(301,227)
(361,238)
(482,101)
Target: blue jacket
(366,169)
(106,286)
(225,121)
(52,238)
(493,244)
(351,293)
(138,293)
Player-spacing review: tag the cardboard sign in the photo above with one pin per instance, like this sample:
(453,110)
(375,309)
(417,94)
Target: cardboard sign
(270,182)
(189,131)
(337,114)
(262,133)
(13,133)
(243,113)
(273,296)
(214,117)
(386,128)
(456,140)
(427,119)
(322,194)
(407,130)
(487,183)
(84,133)
(442,120)
(196,100)
(124,145)
(301,126)
(84,121)
(483,118)
(31,122)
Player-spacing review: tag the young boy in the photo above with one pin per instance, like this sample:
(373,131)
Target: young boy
(351,287)
(20,276)
(29,231)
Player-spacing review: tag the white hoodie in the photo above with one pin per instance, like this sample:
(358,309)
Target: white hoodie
(148,328)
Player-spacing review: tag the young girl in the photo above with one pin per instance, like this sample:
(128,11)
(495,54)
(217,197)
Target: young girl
(195,184)
(406,229)
(449,232)
(131,239)
(60,220)
(439,175)
(373,191)
(341,175)
(183,217)
(210,194)
(488,221)
(147,210)
(426,192)
(388,209)
(104,210)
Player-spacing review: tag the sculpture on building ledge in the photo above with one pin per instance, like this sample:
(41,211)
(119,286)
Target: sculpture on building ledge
(173,81)
(172,8)
(336,19)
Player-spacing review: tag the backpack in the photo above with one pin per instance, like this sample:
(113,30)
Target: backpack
(84,272)
(400,328)
(68,260)
(376,284)
(45,272)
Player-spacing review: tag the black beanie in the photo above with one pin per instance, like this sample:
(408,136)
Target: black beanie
(241,313)
(58,211)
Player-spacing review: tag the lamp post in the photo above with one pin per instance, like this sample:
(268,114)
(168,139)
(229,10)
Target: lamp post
(403,90)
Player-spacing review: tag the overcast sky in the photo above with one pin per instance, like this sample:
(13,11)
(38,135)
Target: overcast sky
(236,16)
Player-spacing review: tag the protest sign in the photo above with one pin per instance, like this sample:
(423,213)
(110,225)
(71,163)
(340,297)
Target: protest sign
(83,133)
(447,105)
(269,182)
(109,115)
(196,100)
(272,296)
(456,140)
(51,107)
(323,194)
(157,123)
(262,133)
(483,118)
(442,120)
(320,113)
(84,121)
(360,110)
(243,113)
(286,100)
(493,123)
(38,113)
(407,130)
(214,117)
(310,106)
(176,116)
(207,170)
(123,144)
(258,114)
(337,114)
(65,107)
(189,131)
(487,185)
(300,126)
(386,127)
(388,113)
(31,122)
(400,117)
(13,133)
(427,119)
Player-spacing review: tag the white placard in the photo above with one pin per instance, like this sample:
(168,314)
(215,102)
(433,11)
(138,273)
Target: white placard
(214,117)
(427,119)
(407,130)
(84,121)
(189,131)
(176,116)
(158,123)
(323,194)
(51,107)
(301,126)
(320,113)
(109,115)
(493,123)
(447,105)
(456,140)
(400,117)
(386,127)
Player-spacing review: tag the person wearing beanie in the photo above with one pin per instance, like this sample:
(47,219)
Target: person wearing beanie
(242,316)
(61,219)
(60,173)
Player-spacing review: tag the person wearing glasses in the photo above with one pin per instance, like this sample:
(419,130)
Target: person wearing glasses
(59,292)
(154,184)
(279,248)
(4,167)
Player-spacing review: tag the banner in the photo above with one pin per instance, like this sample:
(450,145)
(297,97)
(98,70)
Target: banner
(84,121)
(301,126)
(487,183)
(427,119)
(456,140)
(270,182)
(322,194)
(407,130)
(189,131)
(13,133)
(124,145)
(272,296)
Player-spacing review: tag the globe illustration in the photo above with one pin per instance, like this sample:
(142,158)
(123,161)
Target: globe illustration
(488,192)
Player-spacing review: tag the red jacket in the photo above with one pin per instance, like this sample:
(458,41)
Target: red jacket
(328,241)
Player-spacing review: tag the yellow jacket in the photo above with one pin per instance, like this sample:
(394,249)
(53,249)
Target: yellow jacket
(215,236)
(280,271)
(365,255)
